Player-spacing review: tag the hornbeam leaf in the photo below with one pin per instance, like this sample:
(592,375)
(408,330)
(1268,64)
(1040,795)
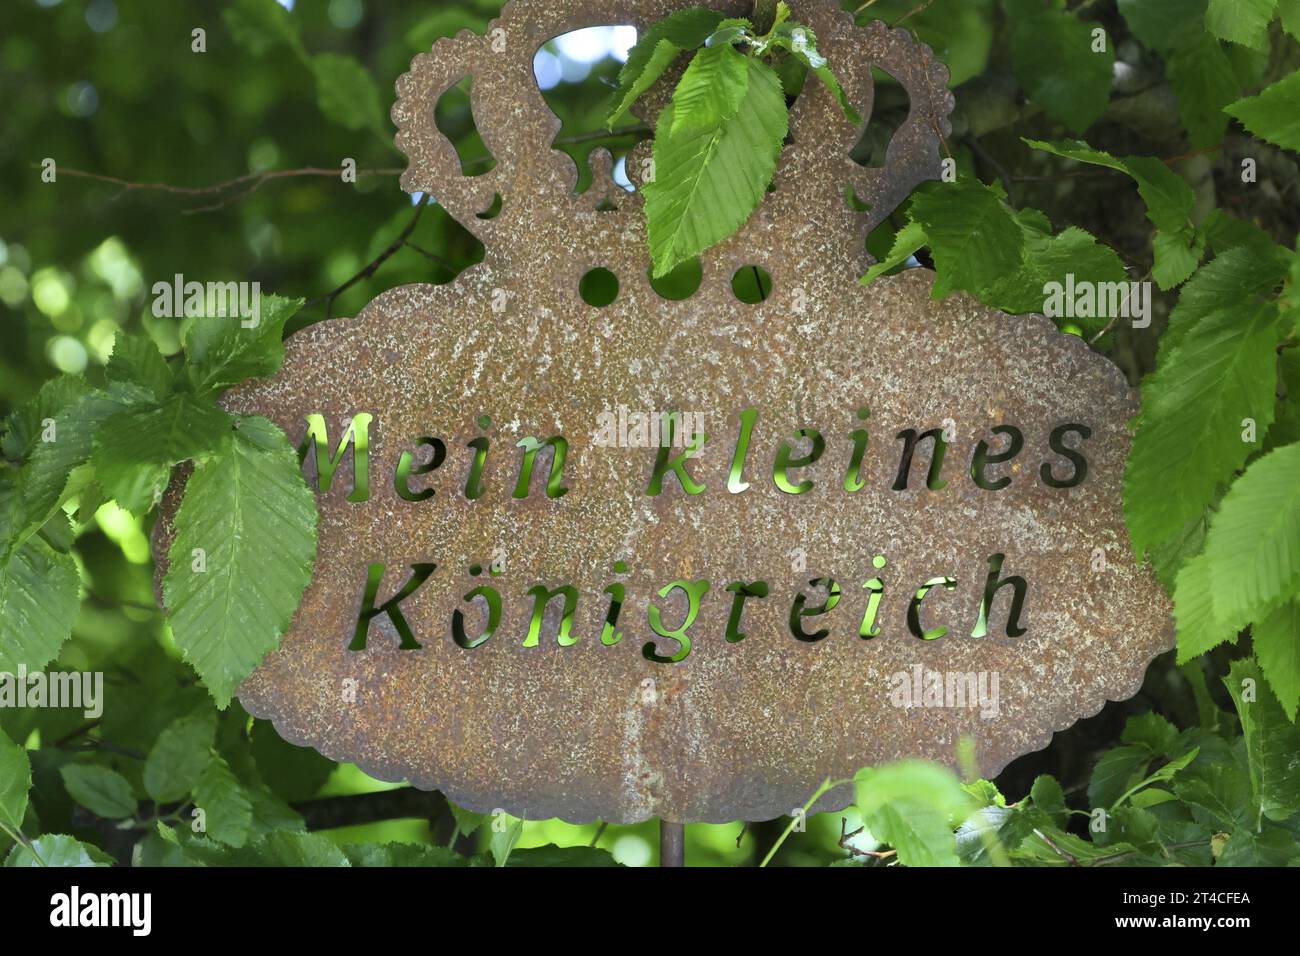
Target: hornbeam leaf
(58,849)
(708,180)
(137,361)
(347,94)
(23,426)
(15,782)
(1272,742)
(1274,114)
(179,756)
(660,58)
(1054,63)
(53,470)
(711,90)
(254,518)
(1188,437)
(1241,21)
(907,241)
(1277,646)
(1238,275)
(1199,628)
(1169,199)
(39,597)
(101,790)
(1204,81)
(227,809)
(802,42)
(222,351)
(656,50)
(974,238)
(1254,542)
(136,449)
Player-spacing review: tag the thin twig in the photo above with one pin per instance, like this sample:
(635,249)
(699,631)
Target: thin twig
(1056,849)
(373,266)
(911,13)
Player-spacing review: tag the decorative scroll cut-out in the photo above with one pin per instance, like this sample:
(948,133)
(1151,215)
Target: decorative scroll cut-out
(593,721)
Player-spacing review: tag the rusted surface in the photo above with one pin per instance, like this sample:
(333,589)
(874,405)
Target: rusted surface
(737,730)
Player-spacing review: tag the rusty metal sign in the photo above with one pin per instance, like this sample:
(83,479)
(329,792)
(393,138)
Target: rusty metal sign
(765,637)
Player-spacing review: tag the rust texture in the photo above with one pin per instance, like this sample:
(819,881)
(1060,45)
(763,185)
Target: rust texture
(737,730)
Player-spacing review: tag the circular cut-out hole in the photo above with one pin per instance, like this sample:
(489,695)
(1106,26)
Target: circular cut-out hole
(681,283)
(751,284)
(599,287)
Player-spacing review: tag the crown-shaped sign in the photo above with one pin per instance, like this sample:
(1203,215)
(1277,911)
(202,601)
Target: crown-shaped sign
(688,558)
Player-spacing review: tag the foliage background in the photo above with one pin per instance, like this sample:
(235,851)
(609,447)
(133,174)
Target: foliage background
(112,88)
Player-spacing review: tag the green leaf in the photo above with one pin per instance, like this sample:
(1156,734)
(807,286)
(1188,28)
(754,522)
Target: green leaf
(1152,731)
(914,807)
(907,241)
(655,51)
(253,516)
(1273,114)
(23,426)
(1254,542)
(708,181)
(137,361)
(1199,628)
(39,599)
(1178,245)
(1289,12)
(1117,770)
(1277,646)
(346,93)
(135,450)
(711,90)
(1053,61)
(974,239)
(504,839)
(1241,21)
(1165,25)
(662,57)
(1224,231)
(401,854)
(222,352)
(53,470)
(292,772)
(1204,81)
(279,849)
(552,855)
(1189,433)
(1218,794)
(272,814)
(179,756)
(58,850)
(1049,259)
(258,25)
(1239,275)
(802,42)
(1047,796)
(102,791)
(227,809)
(467,821)
(1272,741)
(15,782)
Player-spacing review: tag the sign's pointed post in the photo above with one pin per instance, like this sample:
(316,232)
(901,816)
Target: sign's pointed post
(672,844)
